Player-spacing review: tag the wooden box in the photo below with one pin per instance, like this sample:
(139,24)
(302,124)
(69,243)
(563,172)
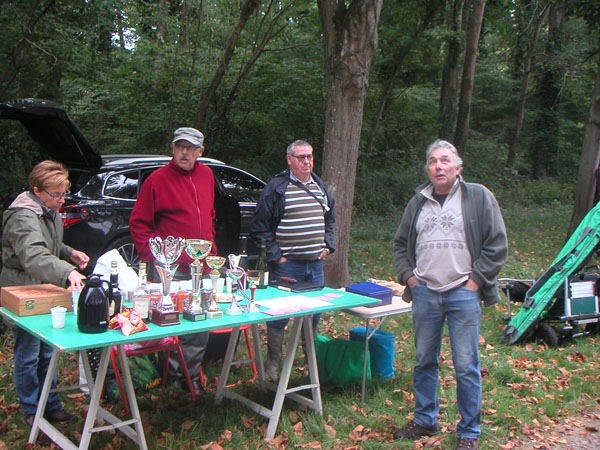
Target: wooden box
(34,299)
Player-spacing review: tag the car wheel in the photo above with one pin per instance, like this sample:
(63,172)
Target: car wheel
(545,334)
(125,247)
(592,328)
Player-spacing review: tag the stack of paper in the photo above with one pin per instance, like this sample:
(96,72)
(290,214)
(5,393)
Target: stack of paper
(582,289)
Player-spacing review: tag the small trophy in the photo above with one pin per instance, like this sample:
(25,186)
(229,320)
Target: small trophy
(197,249)
(254,277)
(166,252)
(236,274)
(215,263)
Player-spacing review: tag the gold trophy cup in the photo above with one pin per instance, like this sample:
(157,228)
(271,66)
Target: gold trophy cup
(197,249)
(215,263)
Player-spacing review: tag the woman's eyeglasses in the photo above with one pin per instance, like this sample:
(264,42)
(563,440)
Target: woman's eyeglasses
(57,195)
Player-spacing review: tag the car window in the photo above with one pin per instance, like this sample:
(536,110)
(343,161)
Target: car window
(240,185)
(123,185)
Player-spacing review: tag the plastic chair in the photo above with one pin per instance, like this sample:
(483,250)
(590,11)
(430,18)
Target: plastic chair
(250,359)
(162,345)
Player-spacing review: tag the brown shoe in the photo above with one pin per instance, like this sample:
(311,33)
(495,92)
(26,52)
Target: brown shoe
(60,416)
(414,431)
(467,443)
(28,419)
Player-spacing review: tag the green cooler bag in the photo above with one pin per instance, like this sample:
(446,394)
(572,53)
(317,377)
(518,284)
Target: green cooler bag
(340,361)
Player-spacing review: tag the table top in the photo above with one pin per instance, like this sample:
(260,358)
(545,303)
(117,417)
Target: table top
(70,338)
(398,306)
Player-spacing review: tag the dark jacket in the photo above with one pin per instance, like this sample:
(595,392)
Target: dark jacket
(270,209)
(485,233)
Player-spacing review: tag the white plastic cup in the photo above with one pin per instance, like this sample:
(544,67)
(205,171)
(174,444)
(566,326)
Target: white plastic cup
(58,316)
(220,285)
(229,285)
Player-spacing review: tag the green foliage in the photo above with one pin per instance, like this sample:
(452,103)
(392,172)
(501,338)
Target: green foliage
(532,395)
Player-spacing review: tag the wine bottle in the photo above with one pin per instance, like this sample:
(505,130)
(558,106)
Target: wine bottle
(262,267)
(243,253)
(116,295)
(141,296)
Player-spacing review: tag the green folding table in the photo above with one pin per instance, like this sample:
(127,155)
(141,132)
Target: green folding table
(69,339)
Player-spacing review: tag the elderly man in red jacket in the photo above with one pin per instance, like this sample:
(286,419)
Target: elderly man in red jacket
(178,200)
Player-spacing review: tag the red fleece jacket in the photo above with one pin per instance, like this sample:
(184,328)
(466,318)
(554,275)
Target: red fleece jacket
(174,202)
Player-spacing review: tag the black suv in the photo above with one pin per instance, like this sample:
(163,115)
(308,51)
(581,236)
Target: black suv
(104,189)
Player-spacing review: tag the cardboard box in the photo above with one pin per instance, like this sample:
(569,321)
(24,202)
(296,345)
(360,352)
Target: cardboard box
(34,299)
(372,290)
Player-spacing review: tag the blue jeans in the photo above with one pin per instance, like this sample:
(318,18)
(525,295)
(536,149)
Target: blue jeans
(32,358)
(311,271)
(461,308)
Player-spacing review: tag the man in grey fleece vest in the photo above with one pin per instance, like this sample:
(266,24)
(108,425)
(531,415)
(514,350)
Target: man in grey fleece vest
(448,250)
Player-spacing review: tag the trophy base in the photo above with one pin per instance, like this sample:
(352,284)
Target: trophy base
(253,309)
(233,312)
(165,318)
(194,316)
(214,314)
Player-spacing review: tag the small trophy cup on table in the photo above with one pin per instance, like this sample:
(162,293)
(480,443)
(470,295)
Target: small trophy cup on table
(235,273)
(215,263)
(166,252)
(254,277)
(197,249)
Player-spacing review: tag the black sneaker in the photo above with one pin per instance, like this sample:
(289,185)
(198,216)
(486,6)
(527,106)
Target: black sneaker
(414,431)
(60,416)
(28,419)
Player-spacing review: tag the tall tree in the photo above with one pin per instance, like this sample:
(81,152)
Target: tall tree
(246,10)
(349,43)
(590,160)
(449,89)
(587,181)
(537,18)
(400,53)
(468,75)
(545,146)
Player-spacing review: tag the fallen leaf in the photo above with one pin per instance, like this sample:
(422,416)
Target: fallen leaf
(331,432)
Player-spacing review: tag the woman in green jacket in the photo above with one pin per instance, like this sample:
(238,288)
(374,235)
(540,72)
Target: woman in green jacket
(33,252)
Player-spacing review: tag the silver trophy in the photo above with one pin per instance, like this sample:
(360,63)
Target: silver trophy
(236,274)
(166,252)
(197,249)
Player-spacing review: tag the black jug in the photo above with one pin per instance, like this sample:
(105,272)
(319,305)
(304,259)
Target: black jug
(92,308)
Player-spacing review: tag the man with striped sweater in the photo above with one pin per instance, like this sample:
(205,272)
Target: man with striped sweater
(295,217)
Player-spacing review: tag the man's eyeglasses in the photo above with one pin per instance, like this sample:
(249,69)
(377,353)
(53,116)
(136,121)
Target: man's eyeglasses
(303,157)
(57,195)
(189,148)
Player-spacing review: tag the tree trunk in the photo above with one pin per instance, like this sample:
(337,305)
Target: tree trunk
(350,40)
(468,76)
(450,72)
(214,125)
(585,195)
(247,9)
(531,45)
(545,145)
(401,53)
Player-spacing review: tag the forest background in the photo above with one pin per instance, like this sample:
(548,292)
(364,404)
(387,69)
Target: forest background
(514,83)
(370,84)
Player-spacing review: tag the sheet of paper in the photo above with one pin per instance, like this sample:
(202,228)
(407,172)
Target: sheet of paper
(298,301)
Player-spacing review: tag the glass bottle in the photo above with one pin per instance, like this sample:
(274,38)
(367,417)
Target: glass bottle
(243,253)
(141,295)
(261,265)
(116,295)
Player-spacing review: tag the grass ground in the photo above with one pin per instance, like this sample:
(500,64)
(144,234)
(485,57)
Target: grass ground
(534,397)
